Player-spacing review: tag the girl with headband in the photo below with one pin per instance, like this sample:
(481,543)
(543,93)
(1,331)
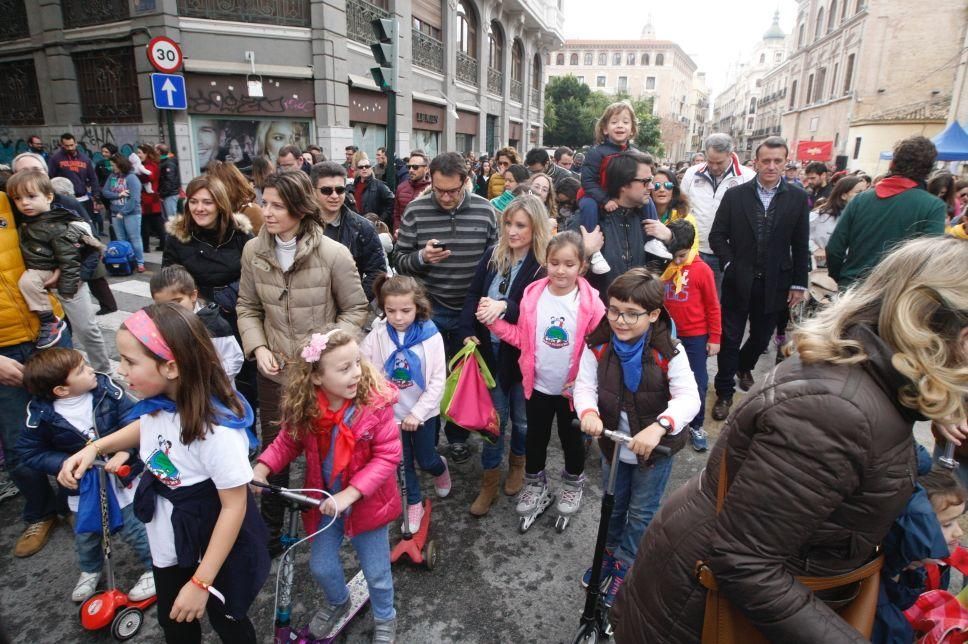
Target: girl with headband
(208,543)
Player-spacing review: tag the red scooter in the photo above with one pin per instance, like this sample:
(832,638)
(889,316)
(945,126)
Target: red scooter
(416,546)
(112,606)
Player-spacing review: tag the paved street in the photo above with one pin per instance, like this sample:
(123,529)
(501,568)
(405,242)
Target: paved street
(491,584)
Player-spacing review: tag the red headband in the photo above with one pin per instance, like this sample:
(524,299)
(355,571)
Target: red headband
(144,328)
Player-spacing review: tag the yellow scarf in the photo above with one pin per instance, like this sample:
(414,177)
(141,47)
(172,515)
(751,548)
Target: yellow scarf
(673,271)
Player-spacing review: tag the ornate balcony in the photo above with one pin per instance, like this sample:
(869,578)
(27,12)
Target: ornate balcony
(536,98)
(285,13)
(467,69)
(517,91)
(83,13)
(495,81)
(359,14)
(428,52)
(14,24)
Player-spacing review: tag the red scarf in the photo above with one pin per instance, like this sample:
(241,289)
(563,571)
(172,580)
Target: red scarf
(894,185)
(345,441)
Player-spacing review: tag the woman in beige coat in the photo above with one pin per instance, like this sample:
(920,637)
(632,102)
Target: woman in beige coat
(294,281)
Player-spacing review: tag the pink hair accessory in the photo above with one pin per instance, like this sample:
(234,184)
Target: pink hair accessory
(144,328)
(317,344)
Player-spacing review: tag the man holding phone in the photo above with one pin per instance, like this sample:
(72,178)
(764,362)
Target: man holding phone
(441,239)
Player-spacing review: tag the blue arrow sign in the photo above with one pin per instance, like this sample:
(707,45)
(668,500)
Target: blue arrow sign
(169,92)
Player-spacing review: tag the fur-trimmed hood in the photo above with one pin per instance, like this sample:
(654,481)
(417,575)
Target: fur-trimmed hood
(177,227)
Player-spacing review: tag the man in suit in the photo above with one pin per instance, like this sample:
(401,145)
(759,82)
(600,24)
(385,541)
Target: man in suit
(760,236)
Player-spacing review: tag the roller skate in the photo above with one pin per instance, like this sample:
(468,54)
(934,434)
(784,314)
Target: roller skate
(569,500)
(534,500)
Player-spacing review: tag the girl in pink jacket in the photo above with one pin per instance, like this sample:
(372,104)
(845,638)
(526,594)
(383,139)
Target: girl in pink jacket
(410,348)
(338,410)
(555,315)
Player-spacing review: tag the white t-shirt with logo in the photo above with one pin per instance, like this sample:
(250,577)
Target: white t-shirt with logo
(223,457)
(79,412)
(557,322)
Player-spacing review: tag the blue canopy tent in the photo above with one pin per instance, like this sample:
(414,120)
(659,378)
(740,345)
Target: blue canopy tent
(952,144)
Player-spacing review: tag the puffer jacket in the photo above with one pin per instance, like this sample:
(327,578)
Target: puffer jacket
(215,264)
(821,460)
(48,242)
(279,309)
(376,454)
(407,191)
(17,323)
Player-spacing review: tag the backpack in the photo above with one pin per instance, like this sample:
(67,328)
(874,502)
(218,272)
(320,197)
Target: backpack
(119,258)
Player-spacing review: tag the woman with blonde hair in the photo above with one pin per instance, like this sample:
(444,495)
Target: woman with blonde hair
(812,468)
(503,273)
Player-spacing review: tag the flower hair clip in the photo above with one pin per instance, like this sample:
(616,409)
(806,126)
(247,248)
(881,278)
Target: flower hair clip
(317,344)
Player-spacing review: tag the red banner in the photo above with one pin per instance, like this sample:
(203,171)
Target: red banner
(815,150)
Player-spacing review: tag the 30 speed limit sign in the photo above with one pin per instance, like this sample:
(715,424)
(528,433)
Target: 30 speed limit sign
(164,54)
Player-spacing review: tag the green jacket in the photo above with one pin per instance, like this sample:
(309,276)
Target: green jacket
(49,242)
(870,226)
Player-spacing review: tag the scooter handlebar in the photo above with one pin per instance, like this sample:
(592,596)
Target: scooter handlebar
(296,497)
(624,438)
(123,470)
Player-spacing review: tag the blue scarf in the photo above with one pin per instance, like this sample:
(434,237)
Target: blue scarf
(417,333)
(223,415)
(630,355)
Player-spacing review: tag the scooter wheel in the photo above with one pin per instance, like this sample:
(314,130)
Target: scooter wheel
(126,624)
(523,525)
(560,524)
(588,635)
(430,554)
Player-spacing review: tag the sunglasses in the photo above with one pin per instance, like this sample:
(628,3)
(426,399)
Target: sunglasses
(329,190)
(658,185)
(363,166)
(645,182)
(414,166)
(502,288)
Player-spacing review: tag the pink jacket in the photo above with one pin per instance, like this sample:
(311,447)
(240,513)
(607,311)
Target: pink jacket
(521,335)
(371,470)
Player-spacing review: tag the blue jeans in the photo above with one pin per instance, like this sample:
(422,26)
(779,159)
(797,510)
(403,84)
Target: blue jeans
(129,229)
(713,262)
(373,551)
(448,323)
(41,502)
(638,491)
(90,558)
(169,206)
(420,445)
(695,347)
(506,403)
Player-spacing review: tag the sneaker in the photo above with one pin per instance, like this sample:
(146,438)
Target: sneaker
(415,514)
(384,632)
(697,435)
(50,333)
(618,578)
(34,538)
(570,497)
(535,487)
(141,269)
(608,563)
(86,586)
(442,483)
(721,408)
(326,618)
(780,341)
(7,489)
(143,588)
(460,453)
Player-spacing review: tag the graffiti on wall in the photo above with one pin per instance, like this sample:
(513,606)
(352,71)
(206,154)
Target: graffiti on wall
(90,140)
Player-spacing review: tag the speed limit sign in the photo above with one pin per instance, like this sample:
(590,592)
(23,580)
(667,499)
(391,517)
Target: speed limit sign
(164,54)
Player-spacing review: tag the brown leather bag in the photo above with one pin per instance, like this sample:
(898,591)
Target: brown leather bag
(725,624)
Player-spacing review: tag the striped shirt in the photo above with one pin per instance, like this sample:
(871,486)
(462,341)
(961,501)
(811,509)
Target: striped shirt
(468,231)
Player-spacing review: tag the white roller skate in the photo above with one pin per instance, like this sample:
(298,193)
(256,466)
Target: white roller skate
(569,500)
(533,501)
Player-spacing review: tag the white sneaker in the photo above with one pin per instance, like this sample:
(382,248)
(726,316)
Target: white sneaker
(415,514)
(144,588)
(86,585)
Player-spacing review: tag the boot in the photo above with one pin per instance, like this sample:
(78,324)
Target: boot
(515,480)
(488,493)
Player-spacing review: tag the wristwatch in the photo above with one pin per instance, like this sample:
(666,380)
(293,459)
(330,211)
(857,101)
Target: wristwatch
(667,424)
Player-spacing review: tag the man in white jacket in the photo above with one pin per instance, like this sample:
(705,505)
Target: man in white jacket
(705,184)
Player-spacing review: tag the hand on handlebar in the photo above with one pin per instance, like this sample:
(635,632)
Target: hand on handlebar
(646,440)
(591,424)
(259,474)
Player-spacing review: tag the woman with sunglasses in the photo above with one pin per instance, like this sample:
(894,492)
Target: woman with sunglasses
(670,205)
(503,273)
(371,194)
(295,281)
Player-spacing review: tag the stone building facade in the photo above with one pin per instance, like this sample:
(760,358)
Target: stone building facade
(471,74)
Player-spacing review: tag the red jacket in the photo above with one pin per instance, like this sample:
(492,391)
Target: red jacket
(372,466)
(151,203)
(695,309)
(407,192)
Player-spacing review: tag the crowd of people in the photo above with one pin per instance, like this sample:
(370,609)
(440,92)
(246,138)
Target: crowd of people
(303,308)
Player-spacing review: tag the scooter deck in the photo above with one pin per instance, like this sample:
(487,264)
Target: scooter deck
(413,547)
(359,596)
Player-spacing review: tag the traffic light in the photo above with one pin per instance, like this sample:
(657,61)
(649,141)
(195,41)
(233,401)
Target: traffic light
(385,53)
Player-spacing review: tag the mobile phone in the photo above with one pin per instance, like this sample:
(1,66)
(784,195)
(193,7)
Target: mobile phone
(439,245)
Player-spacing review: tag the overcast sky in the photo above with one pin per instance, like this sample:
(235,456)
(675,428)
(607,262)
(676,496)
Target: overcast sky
(715,33)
